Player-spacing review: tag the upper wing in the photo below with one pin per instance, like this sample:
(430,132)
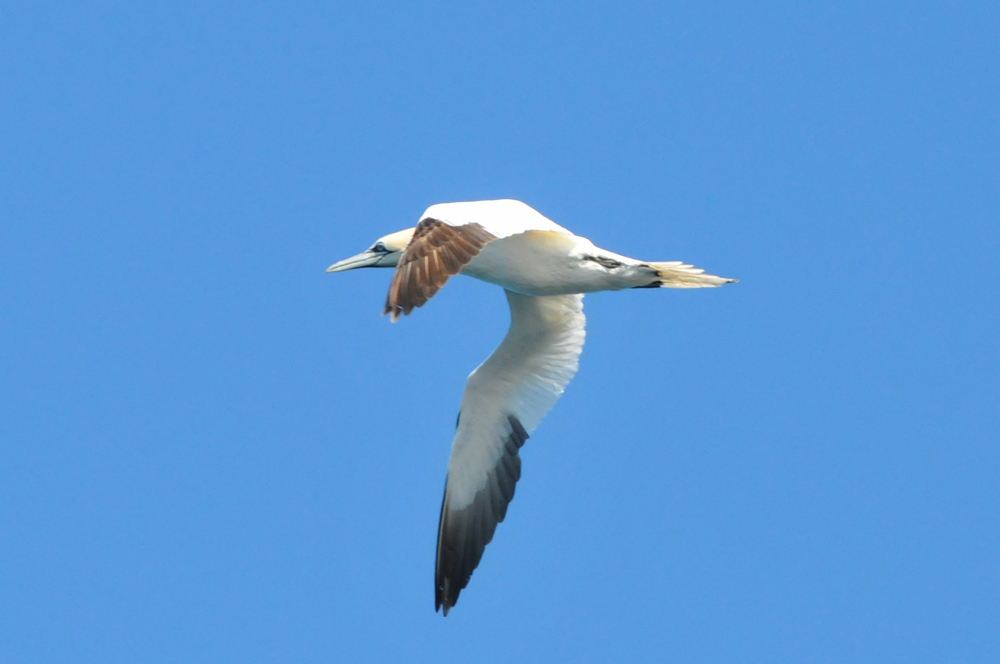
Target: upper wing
(436,252)
(505,399)
(502,218)
(448,236)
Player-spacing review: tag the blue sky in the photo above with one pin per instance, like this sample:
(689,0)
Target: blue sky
(211,451)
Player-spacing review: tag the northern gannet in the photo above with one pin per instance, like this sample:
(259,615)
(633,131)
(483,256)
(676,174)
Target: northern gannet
(544,270)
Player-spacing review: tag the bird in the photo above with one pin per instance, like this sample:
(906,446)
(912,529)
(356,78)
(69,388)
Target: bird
(544,270)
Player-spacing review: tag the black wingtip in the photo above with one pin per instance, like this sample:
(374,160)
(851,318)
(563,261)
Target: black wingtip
(463,534)
(441,599)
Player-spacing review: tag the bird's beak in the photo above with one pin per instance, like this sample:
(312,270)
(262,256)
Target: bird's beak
(364,259)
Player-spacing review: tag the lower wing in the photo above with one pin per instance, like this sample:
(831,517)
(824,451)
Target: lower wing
(504,400)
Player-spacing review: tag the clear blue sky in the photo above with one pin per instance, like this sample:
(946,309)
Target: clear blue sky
(211,451)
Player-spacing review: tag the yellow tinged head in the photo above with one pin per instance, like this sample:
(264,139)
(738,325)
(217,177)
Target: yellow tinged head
(398,240)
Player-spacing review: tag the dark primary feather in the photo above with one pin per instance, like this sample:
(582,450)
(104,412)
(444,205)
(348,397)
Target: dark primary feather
(463,534)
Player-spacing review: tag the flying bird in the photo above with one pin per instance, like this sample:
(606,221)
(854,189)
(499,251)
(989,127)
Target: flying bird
(544,270)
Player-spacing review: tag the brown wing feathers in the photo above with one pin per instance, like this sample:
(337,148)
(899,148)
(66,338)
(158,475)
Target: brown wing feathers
(436,252)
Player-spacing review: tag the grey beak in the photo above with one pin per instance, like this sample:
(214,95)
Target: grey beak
(364,259)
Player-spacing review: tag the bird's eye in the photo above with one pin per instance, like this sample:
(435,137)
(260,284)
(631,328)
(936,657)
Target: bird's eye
(379,246)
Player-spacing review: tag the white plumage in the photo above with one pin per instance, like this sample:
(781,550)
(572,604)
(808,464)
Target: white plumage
(544,269)
(502,218)
(524,377)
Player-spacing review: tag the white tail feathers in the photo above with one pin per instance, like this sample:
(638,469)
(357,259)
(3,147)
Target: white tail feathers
(675,274)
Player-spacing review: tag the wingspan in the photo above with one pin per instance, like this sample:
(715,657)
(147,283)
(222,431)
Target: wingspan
(504,400)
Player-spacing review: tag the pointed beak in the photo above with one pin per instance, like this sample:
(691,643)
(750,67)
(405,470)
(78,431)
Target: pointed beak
(364,259)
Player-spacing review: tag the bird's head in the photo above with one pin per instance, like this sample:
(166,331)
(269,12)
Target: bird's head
(384,253)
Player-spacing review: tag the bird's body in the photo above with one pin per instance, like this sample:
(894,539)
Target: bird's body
(533,255)
(544,270)
(551,263)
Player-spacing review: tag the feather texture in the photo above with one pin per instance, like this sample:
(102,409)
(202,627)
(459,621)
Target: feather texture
(436,252)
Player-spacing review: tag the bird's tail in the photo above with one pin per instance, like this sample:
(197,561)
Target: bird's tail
(675,274)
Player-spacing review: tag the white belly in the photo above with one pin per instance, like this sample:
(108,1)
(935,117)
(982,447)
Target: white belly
(548,263)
